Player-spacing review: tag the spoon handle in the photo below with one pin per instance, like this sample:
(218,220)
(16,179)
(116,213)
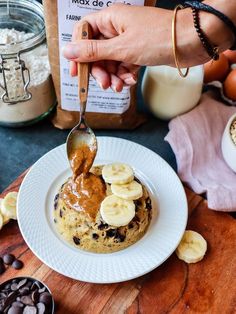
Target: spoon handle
(85,32)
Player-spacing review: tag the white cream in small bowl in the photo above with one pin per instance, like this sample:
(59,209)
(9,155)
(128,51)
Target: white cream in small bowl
(228,144)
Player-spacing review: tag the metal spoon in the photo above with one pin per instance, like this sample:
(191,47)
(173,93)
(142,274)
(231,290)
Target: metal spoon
(81,142)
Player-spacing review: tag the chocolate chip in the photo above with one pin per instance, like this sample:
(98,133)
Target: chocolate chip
(17,304)
(21,283)
(120,237)
(61,213)
(14,287)
(76,240)
(8,259)
(148,203)
(42,290)
(26,299)
(41,308)
(24,290)
(15,310)
(137,180)
(102,226)
(55,221)
(30,310)
(17,264)
(56,201)
(35,296)
(130,226)
(45,298)
(2,268)
(95,236)
(111,233)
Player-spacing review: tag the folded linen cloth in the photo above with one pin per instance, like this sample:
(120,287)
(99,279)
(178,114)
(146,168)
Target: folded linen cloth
(195,138)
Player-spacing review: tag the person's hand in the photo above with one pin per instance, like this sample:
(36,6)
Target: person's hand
(125,37)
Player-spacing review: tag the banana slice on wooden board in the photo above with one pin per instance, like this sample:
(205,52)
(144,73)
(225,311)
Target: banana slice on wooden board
(192,247)
(129,191)
(8,206)
(116,211)
(5,219)
(117,173)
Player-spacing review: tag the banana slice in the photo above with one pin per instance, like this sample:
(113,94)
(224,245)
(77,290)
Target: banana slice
(5,219)
(116,211)
(192,247)
(117,173)
(129,191)
(1,221)
(9,205)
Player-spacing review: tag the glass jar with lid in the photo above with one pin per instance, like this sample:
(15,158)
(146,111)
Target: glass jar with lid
(26,90)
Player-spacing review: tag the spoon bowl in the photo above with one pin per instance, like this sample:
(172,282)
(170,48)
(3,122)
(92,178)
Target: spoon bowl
(81,142)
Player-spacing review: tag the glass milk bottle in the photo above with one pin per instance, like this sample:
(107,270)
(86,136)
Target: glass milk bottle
(167,94)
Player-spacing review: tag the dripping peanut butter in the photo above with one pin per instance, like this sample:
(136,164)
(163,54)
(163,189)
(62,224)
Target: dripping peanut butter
(84,191)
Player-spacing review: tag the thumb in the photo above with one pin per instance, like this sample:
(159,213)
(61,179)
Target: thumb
(94,50)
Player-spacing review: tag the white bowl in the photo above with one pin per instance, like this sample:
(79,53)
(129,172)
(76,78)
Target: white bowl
(228,146)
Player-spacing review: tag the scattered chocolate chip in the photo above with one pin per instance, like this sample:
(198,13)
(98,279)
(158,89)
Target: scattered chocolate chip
(111,233)
(45,298)
(102,226)
(21,283)
(14,287)
(56,201)
(130,226)
(15,310)
(17,304)
(35,296)
(8,259)
(41,308)
(61,213)
(24,291)
(17,264)
(30,310)
(55,221)
(76,240)
(95,236)
(26,299)
(137,180)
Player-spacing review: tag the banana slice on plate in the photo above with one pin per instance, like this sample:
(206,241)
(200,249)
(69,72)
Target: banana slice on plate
(129,191)
(5,219)
(192,247)
(116,211)
(117,173)
(8,206)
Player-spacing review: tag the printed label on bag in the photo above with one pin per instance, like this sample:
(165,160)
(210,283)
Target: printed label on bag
(69,12)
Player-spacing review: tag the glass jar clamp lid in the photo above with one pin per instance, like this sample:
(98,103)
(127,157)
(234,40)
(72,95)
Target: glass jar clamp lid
(24,16)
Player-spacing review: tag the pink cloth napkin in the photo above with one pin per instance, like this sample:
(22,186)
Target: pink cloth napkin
(195,138)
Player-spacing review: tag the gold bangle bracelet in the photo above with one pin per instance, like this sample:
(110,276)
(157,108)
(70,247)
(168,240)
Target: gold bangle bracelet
(174,44)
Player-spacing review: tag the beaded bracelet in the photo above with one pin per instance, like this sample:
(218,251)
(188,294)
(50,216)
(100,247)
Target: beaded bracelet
(207,8)
(174,44)
(213,51)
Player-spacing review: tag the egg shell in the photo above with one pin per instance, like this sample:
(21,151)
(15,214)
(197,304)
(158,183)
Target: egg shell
(230,55)
(230,85)
(216,70)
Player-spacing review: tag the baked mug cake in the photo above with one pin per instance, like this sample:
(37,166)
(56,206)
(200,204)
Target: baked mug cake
(104,210)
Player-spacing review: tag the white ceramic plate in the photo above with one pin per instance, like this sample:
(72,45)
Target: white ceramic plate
(35,215)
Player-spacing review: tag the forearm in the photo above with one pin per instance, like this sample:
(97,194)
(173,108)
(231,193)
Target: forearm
(190,49)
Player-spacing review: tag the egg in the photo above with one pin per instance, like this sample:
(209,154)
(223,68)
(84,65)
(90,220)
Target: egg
(216,70)
(230,55)
(230,85)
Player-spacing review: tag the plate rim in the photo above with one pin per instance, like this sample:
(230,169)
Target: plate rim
(50,265)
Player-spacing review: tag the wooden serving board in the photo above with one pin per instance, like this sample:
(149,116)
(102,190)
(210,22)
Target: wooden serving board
(175,287)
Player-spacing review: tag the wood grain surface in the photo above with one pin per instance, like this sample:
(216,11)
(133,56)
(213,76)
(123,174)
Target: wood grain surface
(175,287)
